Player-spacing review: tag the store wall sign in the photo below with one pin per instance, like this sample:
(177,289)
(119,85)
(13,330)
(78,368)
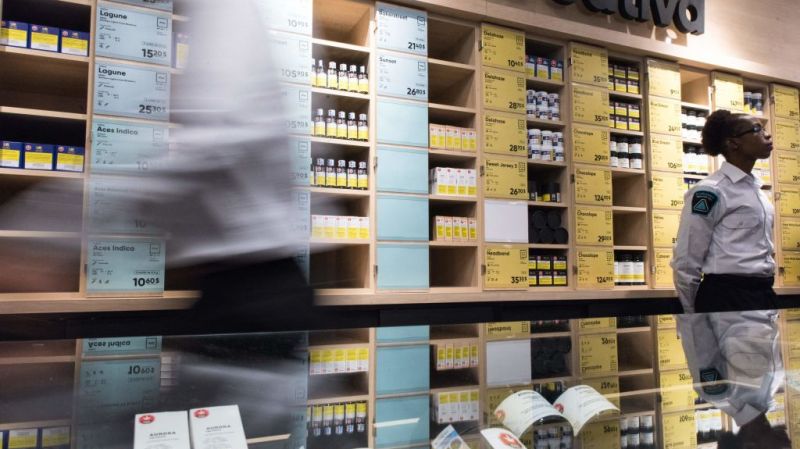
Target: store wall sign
(687,15)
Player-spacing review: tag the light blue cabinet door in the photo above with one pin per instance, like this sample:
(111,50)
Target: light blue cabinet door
(402,170)
(402,369)
(403,267)
(402,421)
(403,333)
(402,218)
(402,123)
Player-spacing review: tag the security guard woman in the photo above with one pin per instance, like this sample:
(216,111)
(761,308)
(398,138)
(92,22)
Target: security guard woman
(723,263)
(725,231)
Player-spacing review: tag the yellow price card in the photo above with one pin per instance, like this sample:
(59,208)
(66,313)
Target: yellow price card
(590,105)
(506,268)
(728,91)
(589,65)
(595,268)
(601,435)
(664,79)
(787,134)
(665,116)
(677,392)
(663,276)
(607,386)
(665,321)
(593,324)
(505,134)
(503,47)
(789,201)
(668,191)
(793,338)
(593,186)
(508,329)
(594,226)
(666,153)
(504,91)
(792,314)
(791,269)
(506,178)
(590,145)
(680,431)
(598,354)
(670,350)
(665,228)
(790,234)
(787,165)
(787,101)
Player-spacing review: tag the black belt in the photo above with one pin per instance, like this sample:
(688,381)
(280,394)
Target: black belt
(741,281)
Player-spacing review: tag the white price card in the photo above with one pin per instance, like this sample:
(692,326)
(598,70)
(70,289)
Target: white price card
(121,346)
(402,29)
(165,430)
(130,91)
(292,57)
(402,76)
(126,146)
(109,214)
(129,265)
(294,16)
(163,5)
(300,150)
(116,388)
(297,109)
(134,35)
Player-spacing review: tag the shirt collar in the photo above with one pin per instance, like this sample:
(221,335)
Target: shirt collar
(735,174)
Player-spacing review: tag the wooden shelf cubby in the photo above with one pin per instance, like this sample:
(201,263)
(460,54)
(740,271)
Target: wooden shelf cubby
(345,21)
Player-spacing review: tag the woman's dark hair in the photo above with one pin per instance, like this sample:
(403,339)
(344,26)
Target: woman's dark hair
(719,126)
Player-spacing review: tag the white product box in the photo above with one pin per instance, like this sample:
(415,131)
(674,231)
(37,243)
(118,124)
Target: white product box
(215,427)
(440,407)
(317,226)
(352,360)
(438,228)
(473,228)
(457,356)
(453,138)
(353,228)
(363,227)
(441,357)
(449,361)
(465,354)
(341,227)
(463,405)
(439,181)
(474,414)
(448,228)
(462,183)
(329,226)
(456,229)
(165,430)
(463,222)
(363,359)
(452,181)
(340,360)
(24,438)
(469,140)
(437,138)
(328,364)
(315,362)
(472,182)
(453,407)
(473,355)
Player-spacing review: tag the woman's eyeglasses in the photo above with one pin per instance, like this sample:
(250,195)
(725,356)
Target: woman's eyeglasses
(755,130)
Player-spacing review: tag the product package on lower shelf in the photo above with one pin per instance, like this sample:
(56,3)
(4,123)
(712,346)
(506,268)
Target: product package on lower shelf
(214,427)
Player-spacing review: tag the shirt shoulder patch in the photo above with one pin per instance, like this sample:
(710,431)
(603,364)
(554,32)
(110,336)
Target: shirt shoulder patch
(703,201)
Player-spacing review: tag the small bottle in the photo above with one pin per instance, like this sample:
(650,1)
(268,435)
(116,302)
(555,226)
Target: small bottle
(702,161)
(614,156)
(626,278)
(322,75)
(313,73)
(352,126)
(341,125)
(635,146)
(327,420)
(363,127)
(338,419)
(330,124)
(333,76)
(344,77)
(350,417)
(636,161)
(361,417)
(319,173)
(638,269)
(748,103)
(352,79)
(352,175)
(363,176)
(618,281)
(319,123)
(623,157)
(363,81)
(758,103)
(341,174)
(330,173)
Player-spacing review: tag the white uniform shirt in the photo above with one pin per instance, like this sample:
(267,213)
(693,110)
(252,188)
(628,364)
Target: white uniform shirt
(726,228)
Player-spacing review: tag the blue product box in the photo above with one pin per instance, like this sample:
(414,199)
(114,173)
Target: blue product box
(69,158)
(74,43)
(13,34)
(38,156)
(10,155)
(43,37)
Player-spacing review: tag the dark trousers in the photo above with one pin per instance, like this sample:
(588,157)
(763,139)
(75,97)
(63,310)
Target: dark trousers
(730,292)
